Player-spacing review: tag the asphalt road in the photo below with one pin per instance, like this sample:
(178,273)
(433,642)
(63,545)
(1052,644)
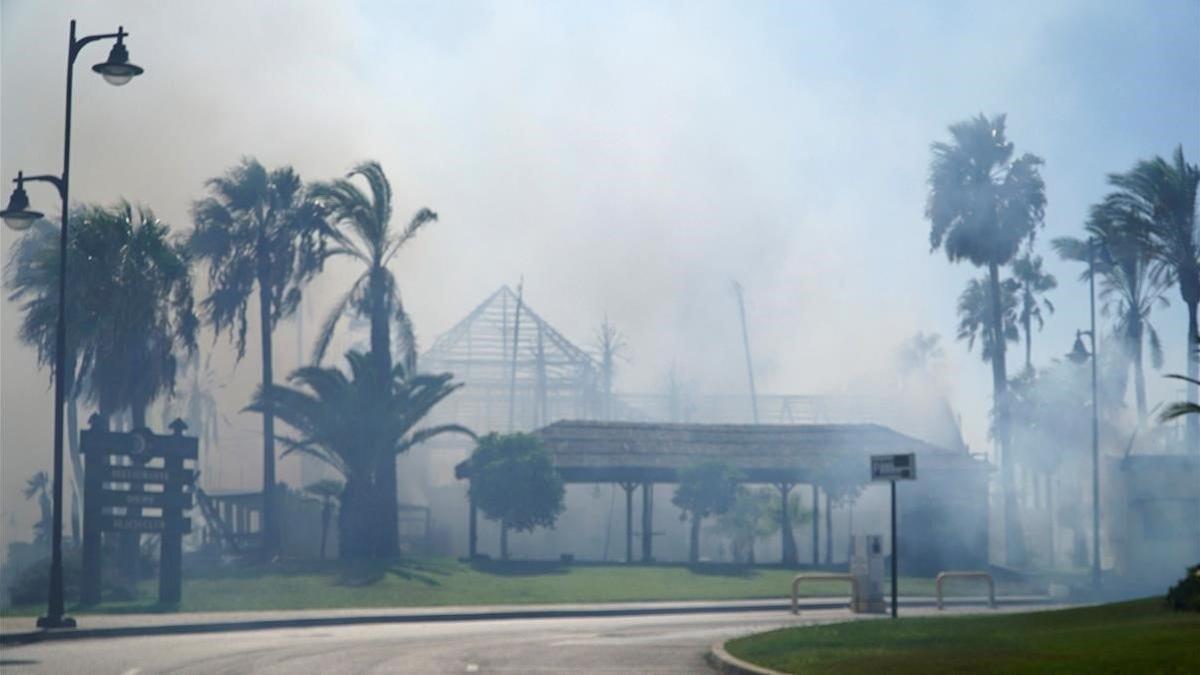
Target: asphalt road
(642,644)
(652,644)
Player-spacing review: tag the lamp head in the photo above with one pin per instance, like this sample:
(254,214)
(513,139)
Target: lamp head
(17,215)
(117,70)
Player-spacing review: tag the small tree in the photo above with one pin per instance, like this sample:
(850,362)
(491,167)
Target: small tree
(707,489)
(750,519)
(513,481)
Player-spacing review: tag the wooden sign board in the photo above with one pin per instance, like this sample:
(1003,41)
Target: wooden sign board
(109,473)
(141,524)
(146,500)
(132,451)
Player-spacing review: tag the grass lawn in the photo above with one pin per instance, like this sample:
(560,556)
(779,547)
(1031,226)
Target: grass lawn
(1129,637)
(446,581)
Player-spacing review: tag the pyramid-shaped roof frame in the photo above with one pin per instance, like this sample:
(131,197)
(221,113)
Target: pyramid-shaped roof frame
(479,347)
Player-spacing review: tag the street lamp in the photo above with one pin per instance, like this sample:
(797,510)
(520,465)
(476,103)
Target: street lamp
(1079,354)
(117,70)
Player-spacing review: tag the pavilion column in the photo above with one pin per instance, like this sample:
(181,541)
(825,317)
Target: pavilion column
(816,525)
(647,522)
(472,526)
(785,525)
(628,488)
(828,529)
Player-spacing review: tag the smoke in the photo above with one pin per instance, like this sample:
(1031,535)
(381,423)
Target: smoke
(626,159)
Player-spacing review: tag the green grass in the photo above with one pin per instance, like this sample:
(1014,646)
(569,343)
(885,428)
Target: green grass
(1140,636)
(429,582)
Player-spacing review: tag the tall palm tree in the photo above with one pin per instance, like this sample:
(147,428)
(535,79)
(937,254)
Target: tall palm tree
(1033,283)
(975,313)
(366,234)
(140,296)
(982,206)
(1132,281)
(345,422)
(258,232)
(1162,195)
(132,315)
(31,277)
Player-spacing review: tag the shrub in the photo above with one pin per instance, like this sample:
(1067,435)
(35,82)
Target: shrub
(1185,595)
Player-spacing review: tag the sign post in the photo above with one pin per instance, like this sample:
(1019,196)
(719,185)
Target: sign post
(128,473)
(892,468)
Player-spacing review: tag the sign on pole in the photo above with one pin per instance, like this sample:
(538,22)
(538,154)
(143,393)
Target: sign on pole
(891,468)
(894,467)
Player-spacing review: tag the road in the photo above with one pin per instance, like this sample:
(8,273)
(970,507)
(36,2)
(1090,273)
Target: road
(643,644)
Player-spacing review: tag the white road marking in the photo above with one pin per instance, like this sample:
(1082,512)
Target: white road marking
(472,667)
(132,671)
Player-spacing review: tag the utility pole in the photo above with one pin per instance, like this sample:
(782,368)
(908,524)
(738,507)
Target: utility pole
(737,290)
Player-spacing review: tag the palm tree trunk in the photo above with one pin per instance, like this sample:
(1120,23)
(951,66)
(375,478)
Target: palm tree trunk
(1139,375)
(270,530)
(694,548)
(1193,421)
(1000,402)
(1028,320)
(385,470)
(355,524)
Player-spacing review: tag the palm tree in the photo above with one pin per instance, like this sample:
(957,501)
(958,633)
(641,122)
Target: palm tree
(328,490)
(31,277)
(140,298)
(982,206)
(1161,195)
(366,234)
(974,315)
(1132,281)
(345,422)
(258,232)
(1033,283)
(132,315)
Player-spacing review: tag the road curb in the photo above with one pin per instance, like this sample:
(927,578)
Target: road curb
(729,664)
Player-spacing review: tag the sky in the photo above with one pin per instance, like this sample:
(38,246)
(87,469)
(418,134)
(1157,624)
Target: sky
(628,159)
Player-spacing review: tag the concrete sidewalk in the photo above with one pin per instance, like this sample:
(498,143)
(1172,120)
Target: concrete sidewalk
(18,630)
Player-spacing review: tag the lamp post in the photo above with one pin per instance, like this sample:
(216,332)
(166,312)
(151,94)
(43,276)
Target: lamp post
(117,71)
(1079,354)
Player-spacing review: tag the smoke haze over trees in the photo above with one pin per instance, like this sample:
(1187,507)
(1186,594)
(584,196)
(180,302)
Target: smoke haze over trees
(627,159)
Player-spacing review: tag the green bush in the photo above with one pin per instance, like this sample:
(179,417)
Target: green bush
(1185,595)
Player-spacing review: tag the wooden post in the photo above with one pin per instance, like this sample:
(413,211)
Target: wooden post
(92,556)
(816,525)
(628,488)
(170,559)
(828,530)
(647,522)
(785,525)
